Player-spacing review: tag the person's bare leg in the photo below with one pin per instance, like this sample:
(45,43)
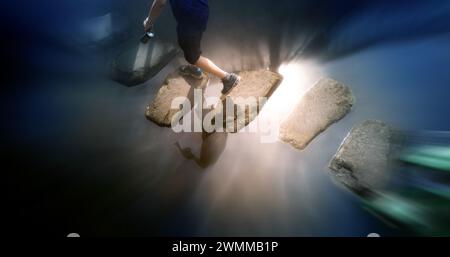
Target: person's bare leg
(229,80)
(208,66)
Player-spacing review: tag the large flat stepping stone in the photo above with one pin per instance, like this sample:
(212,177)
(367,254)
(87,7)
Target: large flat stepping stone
(175,85)
(324,104)
(361,163)
(253,85)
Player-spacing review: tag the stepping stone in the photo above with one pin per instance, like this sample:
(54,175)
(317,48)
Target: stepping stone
(140,62)
(324,104)
(175,85)
(361,163)
(253,85)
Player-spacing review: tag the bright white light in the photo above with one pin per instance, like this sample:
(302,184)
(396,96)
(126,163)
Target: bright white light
(141,57)
(298,77)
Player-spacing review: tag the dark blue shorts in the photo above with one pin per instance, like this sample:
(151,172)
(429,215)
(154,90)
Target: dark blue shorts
(190,14)
(192,18)
(190,43)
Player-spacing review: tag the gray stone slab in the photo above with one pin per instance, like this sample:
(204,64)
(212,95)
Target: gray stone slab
(175,85)
(253,85)
(362,161)
(324,104)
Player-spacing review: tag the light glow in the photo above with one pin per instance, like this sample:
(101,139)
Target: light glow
(141,57)
(298,78)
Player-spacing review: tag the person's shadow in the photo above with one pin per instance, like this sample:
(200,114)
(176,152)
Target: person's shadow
(212,147)
(213,144)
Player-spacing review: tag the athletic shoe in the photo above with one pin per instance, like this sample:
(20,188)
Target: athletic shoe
(229,82)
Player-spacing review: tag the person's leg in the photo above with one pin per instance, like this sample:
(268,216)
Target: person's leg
(190,43)
(229,80)
(208,66)
(191,46)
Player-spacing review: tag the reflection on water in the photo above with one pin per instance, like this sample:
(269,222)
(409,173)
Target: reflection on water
(212,146)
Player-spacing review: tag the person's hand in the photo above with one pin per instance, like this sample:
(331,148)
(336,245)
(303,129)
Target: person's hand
(147,25)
